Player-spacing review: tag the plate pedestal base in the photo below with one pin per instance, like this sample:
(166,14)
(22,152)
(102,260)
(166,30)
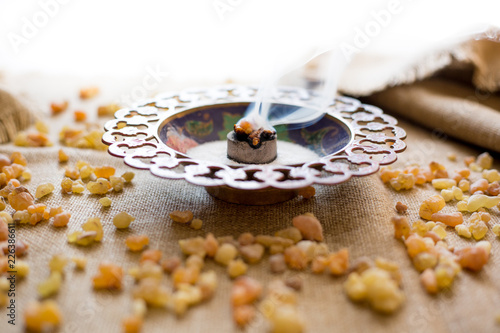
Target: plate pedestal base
(262,197)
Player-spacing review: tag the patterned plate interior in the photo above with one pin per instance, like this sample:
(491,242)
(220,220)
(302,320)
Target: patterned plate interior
(329,135)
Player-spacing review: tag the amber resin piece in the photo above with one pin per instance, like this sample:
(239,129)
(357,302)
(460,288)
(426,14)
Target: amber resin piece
(245,131)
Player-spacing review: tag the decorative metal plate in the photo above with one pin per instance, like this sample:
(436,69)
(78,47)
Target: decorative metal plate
(135,136)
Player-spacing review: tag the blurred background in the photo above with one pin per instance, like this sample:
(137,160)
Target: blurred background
(211,41)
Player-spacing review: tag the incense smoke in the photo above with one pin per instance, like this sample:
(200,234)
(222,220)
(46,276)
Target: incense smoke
(263,114)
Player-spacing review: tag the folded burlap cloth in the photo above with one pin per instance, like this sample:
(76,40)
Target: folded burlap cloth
(14,116)
(453,91)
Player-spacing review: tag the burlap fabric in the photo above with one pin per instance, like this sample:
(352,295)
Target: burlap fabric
(355,215)
(455,109)
(452,89)
(15,117)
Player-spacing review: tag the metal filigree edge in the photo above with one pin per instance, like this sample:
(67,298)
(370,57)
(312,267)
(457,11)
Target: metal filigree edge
(133,136)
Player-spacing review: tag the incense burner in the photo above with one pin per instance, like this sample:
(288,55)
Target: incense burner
(351,140)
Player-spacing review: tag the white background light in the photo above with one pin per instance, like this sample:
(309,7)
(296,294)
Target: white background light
(195,41)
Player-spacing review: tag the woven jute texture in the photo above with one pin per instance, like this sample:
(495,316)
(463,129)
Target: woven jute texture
(355,215)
